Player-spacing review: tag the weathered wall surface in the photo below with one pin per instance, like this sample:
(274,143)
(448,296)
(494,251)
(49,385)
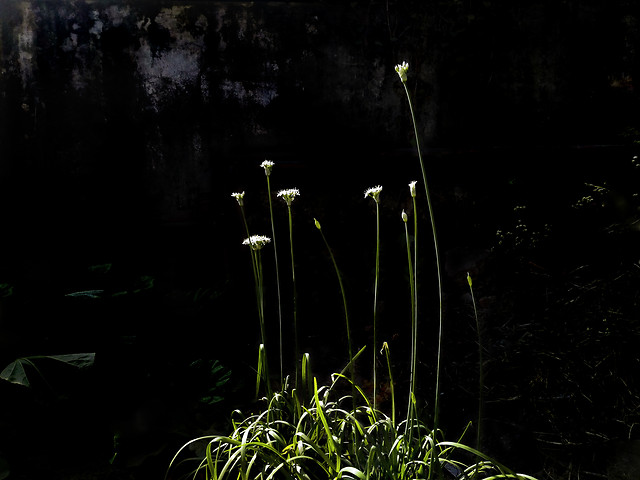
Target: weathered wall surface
(157,101)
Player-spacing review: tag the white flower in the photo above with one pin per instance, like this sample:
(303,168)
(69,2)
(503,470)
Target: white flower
(402,71)
(289,194)
(239,197)
(256,241)
(267,165)
(373,192)
(412,188)
(405,217)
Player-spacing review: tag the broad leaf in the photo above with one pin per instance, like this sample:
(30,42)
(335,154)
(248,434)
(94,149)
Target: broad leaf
(15,373)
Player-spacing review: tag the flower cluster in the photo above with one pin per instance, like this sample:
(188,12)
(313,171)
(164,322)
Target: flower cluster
(239,197)
(256,241)
(373,192)
(402,71)
(288,195)
(267,165)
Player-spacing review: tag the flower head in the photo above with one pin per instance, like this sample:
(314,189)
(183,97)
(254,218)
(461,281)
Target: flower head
(402,71)
(373,192)
(288,195)
(239,197)
(267,165)
(412,188)
(318,226)
(256,241)
(405,217)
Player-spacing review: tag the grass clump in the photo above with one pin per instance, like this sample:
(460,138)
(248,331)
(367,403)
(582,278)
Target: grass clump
(327,438)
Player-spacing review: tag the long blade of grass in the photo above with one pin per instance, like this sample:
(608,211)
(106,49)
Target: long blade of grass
(320,411)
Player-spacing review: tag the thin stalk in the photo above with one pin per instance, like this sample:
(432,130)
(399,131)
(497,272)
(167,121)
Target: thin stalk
(344,300)
(275,256)
(385,348)
(295,297)
(436,414)
(375,304)
(480,366)
(253,255)
(263,334)
(410,410)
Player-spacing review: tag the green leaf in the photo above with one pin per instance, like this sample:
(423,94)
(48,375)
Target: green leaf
(210,400)
(15,373)
(86,293)
(6,290)
(78,360)
(102,268)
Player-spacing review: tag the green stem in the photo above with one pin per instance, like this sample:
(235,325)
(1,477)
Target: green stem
(253,255)
(436,414)
(410,412)
(263,333)
(480,367)
(275,255)
(344,302)
(375,305)
(295,298)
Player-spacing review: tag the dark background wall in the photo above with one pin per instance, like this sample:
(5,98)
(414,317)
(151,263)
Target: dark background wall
(125,126)
(147,109)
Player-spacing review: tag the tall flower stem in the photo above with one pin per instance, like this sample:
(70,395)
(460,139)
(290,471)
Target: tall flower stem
(375,194)
(255,243)
(295,298)
(263,360)
(344,300)
(480,367)
(375,306)
(414,330)
(288,196)
(267,165)
(402,72)
(240,199)
(412,385)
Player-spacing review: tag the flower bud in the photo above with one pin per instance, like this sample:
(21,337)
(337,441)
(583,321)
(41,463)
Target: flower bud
(402,71)
(412,188)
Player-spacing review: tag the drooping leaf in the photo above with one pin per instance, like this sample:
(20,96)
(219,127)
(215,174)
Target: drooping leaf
(78,360)
(86,293)
(15,372)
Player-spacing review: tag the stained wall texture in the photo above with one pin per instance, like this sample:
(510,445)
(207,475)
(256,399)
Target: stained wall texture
(152,104)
